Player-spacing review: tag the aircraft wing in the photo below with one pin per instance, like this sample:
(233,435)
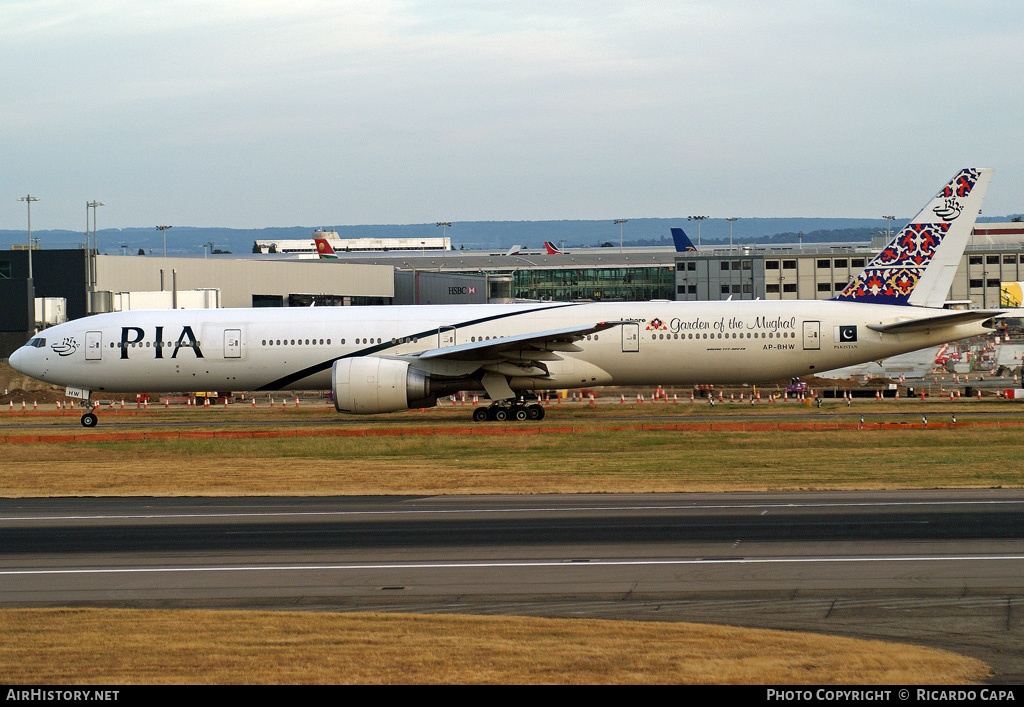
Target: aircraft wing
(938,321)
(552,340)
(517,355)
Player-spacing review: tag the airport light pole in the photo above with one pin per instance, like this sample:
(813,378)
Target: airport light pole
(28,199)
(92,205)
(730,219)
(698,219)
(163,231)
(444,229)
(94,252)
(890,219)
(620,221)
(205,246)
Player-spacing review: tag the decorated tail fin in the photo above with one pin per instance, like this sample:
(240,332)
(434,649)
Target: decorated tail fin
(682,241)
(325,250)
(918,265)
(552,248)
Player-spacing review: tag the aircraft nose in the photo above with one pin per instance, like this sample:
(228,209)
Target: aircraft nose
(17,360)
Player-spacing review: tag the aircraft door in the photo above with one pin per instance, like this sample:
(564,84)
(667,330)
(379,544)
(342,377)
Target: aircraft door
(445,336)
(630,337)
(232,343)
(93,345)
(812,336)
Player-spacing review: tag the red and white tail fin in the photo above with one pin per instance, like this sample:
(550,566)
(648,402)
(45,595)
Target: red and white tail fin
(324,249)
(552,248)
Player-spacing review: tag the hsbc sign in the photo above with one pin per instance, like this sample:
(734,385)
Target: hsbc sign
(462,290)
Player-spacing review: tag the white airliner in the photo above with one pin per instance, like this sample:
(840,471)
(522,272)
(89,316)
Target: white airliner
(384,359)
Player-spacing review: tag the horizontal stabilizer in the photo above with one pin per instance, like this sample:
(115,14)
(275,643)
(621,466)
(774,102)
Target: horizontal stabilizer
(939,321)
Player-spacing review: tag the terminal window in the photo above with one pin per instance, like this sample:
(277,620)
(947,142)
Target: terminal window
(5,269)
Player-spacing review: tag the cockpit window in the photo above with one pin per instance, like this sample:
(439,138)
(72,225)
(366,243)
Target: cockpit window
(36,343)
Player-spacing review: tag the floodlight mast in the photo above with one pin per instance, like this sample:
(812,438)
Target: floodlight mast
(730,219)
(28,199)
(163,231)
(698,219)
(620,221)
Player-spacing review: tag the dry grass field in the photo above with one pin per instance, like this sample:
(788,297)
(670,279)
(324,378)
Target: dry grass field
(120,647)
(593,459)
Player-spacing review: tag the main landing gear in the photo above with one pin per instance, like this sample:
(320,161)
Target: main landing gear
(504,410)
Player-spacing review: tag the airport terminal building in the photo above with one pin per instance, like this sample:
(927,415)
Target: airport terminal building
(994,256)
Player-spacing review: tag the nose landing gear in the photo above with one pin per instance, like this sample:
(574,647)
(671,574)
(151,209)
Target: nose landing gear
(90,419)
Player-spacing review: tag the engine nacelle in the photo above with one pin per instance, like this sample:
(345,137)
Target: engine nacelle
(365,385)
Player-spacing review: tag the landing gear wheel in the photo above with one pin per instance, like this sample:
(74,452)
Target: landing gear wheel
(501,414)
(480,414)
(534,412)
(89,419)
(519,413)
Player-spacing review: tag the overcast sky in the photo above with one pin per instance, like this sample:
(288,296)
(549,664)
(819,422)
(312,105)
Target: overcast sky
(255,113)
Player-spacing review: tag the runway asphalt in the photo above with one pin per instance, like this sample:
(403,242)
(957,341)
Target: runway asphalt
(940,568)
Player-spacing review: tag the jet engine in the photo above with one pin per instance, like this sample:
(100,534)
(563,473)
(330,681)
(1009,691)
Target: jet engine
(365,385)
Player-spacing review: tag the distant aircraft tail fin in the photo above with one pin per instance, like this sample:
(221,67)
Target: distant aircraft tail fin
(325,250)
(918,265)
(552,248)
(683,242)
